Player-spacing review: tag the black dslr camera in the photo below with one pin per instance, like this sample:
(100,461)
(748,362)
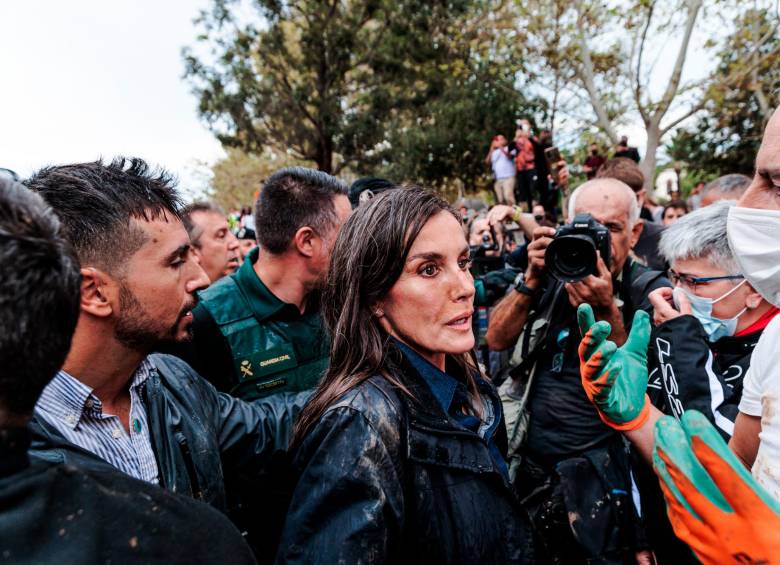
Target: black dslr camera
(571,256)
(481,262)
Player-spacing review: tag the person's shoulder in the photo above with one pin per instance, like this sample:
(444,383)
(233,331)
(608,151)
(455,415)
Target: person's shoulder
(768,344)
(139,509)
(170,365)
(221,303)
(175,374)
(372,396)
(224,286)
(374,404)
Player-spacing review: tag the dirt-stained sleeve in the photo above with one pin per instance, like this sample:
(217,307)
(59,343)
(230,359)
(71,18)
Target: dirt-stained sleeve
(348,504)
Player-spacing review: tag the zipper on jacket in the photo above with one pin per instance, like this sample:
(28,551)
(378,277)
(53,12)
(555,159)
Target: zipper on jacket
(188,463)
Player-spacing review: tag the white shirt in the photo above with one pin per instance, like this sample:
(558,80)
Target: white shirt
(503,166)
(75,412)
(761,397)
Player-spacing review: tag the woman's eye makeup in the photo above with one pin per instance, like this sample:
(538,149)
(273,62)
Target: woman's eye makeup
(428,270)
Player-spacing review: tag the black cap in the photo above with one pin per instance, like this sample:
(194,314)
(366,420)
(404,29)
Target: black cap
(369,185)
(246,233)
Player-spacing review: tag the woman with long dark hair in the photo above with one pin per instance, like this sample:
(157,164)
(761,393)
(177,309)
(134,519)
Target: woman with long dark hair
(400,450)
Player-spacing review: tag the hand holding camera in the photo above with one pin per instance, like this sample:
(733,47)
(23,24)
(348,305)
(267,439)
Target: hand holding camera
(579,255)
(595,290)
(536,255)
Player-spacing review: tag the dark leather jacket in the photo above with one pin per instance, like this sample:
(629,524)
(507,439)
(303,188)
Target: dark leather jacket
(197,433)
(384,479)
(53,514)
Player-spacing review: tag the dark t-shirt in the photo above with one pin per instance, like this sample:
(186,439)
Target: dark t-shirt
(594,162)
(563,422)
(629,153)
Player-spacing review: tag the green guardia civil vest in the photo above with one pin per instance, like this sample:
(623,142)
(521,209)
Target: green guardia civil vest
(274,347)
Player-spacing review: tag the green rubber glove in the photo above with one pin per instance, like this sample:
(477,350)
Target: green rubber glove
(615,379)
(714,504)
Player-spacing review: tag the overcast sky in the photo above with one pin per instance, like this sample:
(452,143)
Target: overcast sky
(86,78)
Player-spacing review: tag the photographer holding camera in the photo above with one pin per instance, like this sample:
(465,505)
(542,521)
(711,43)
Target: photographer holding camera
(570,469)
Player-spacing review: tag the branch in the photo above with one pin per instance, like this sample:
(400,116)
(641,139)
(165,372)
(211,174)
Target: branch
(586,74)
(638,74)
(696,108)
(674,82)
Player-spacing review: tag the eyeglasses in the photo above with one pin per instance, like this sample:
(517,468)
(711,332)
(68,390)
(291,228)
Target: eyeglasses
(693,282)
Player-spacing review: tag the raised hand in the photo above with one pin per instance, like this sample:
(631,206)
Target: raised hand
(615,379)
(714,504)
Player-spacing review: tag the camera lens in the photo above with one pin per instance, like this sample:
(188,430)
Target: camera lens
(571,258)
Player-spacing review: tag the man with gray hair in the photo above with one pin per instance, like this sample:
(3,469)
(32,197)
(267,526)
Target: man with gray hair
(213,243)
(557,443)
(727,187)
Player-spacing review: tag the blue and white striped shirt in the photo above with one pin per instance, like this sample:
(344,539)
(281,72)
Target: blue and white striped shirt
(73,409)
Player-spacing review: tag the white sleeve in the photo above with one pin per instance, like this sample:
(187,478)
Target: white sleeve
(763,359)
(750,403)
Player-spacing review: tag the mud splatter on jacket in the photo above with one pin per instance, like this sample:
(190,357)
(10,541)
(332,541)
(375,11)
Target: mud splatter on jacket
(387,479)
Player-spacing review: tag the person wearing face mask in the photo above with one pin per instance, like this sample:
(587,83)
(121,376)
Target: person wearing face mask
(708,325)
(706,330)
(715,506)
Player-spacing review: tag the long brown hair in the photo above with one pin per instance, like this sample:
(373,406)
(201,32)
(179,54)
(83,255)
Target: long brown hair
(368,258)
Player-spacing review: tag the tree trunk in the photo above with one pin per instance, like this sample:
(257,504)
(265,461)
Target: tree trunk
(648,163)
(324,158)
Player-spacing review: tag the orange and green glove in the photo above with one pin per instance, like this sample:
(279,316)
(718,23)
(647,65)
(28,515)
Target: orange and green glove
(615,378)
(713,503)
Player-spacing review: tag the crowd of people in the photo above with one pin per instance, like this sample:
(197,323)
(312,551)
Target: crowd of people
(368,374)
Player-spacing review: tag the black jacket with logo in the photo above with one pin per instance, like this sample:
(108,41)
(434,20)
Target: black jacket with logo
(687,372)
(197,433)
(387,479)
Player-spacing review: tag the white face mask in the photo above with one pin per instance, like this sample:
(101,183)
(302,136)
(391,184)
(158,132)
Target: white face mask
(754,237)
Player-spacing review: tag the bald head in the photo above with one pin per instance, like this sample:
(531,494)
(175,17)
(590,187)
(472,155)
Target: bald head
(727,187)
(604,195)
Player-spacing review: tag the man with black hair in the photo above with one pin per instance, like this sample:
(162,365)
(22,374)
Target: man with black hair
(258,331)
(51,512)
(115,404)
(624,150)
(213,243)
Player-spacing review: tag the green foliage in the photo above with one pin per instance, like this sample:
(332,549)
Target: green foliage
(447,145)
(726,137)
(238,177)
(317,78)
(410,90)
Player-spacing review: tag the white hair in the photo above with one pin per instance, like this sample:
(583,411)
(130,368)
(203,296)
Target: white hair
(633,205)
(701,235)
